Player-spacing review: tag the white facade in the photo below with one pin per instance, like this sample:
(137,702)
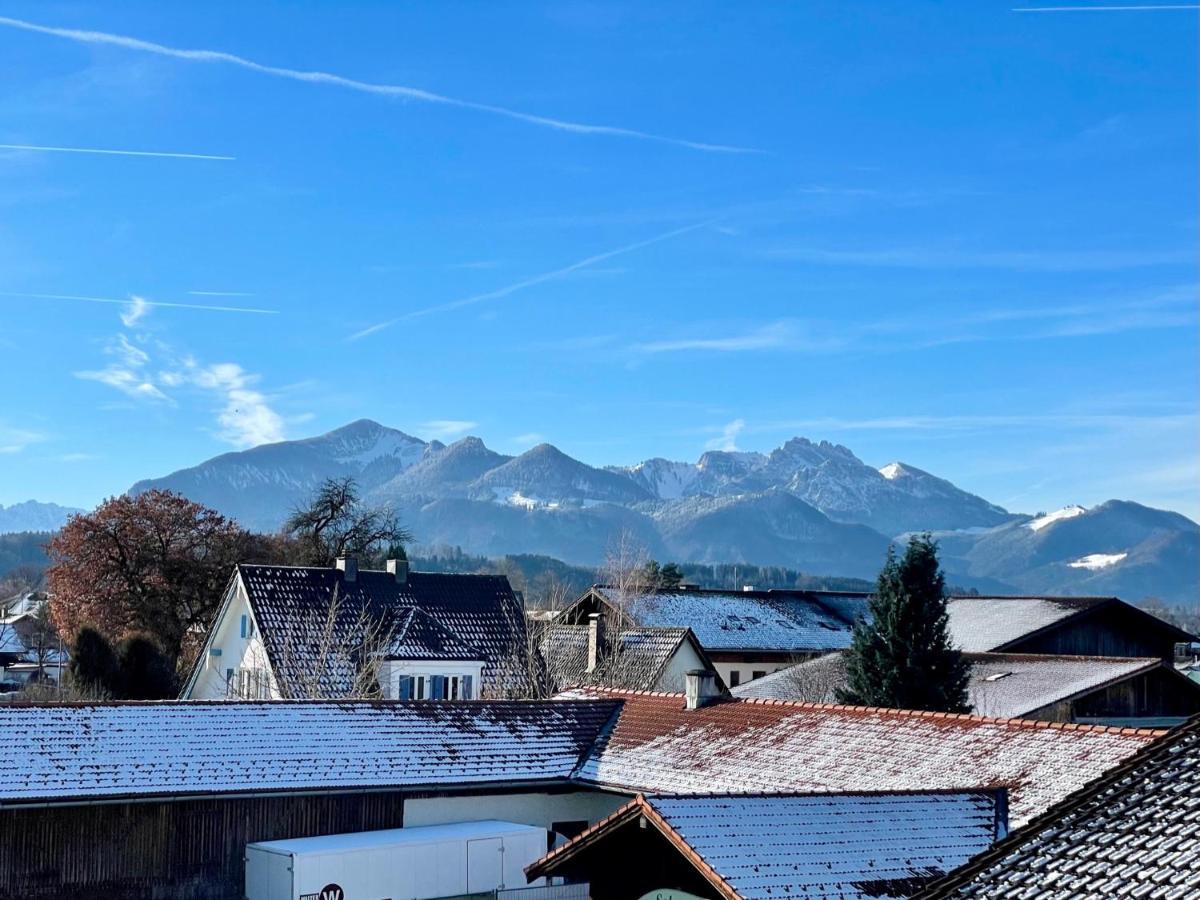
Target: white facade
(542,809)
(460,680)
(235,661)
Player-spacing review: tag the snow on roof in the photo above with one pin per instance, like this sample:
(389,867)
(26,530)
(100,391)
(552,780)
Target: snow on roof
(390,837)
(979,624)
(1130,834)
(754,746)
(745,620)
(843,846)
(132,749)
(1005,685)
(634,658)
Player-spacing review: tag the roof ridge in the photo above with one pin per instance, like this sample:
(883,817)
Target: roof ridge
(904,713)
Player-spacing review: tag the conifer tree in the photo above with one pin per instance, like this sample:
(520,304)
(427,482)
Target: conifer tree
(902,658)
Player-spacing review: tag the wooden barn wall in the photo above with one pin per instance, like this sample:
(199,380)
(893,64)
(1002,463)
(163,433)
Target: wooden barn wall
(1153,694)
(186,850)
(1110,631)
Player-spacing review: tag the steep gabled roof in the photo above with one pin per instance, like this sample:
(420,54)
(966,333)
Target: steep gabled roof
(634,658)
(108,750)
(1132,833)
(418,635)
(1006,685)
(751,746)
(759,847)
(299,610)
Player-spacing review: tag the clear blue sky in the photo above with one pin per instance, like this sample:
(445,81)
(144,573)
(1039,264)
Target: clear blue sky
(947,233)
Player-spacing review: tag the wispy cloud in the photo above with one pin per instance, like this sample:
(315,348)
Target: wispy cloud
(14,440)
(941,258)
(101,151)
(1162,7)
(149,304)
(220,293)
(386,90)
(446,429)
(728,438)
(246,419)
(525,283)
(128,372)
(529,439)
(134,312)
(776,335)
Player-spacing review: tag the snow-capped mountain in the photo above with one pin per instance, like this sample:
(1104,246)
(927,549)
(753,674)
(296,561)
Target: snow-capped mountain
(34,516)
(808,505)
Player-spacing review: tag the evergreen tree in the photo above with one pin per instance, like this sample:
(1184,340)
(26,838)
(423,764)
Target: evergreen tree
(670,577)
(146,673)
(903,658)
(94,668)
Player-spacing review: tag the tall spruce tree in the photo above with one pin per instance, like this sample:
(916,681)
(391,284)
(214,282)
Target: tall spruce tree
(903,657)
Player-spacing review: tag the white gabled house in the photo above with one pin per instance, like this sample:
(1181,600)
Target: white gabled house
(288,632)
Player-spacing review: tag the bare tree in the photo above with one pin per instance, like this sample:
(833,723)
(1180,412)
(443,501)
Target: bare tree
(335,523)
(519,672)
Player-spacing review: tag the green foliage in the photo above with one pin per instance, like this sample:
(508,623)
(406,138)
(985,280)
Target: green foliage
(145,671)
(903,659)
(94,668)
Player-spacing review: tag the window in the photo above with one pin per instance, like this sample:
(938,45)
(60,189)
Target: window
(248,684)
(757,675)
(436,687)
(735,678)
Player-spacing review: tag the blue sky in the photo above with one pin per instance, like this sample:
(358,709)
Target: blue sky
(947,233)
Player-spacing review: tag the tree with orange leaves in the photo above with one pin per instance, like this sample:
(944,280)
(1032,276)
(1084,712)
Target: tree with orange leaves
(156,563)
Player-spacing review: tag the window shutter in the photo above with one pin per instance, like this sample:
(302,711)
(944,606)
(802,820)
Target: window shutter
(243,626)
(439,687)
(467,695)
(406,687)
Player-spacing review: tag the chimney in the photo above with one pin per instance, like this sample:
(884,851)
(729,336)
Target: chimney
(349,567)
(398,569)
(595,640)
(701,688)
(747,588)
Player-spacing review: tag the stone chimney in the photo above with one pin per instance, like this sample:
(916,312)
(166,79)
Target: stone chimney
(595,641)
(701,688)
(349,567)
(398,569)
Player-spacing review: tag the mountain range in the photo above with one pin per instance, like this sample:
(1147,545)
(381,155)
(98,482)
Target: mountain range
(809,505)
(34,516)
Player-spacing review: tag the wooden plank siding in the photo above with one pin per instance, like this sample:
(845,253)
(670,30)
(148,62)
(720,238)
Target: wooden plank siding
(183,850)
(1107,631)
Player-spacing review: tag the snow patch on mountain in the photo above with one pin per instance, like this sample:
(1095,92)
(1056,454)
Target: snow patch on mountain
(1048,519)
(1097,561)
(892,471)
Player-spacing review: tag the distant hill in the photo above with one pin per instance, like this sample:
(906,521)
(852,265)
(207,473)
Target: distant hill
(809,506)
(34,516)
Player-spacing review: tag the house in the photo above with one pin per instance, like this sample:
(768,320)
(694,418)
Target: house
(1104,690)
(1131,833)
(652,659)
(765,846)
(296,632)
(750,633)
(130,800)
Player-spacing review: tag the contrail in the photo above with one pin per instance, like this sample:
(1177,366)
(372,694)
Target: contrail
(126,301)
(387,90)
(528,282)
(104,152)
(1053,9)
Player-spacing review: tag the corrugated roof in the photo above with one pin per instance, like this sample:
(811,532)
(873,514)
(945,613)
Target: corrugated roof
(754,746)
(979,624)
(292,606)
(1005,685)
(196,747)
(1133,833)
(846,846)
(635,658)
(741,620)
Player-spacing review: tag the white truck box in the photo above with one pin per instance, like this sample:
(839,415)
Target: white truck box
(398,864)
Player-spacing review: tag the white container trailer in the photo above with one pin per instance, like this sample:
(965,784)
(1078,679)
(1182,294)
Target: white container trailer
(397,864)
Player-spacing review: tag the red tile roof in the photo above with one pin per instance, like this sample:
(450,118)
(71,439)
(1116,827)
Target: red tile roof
(748,746)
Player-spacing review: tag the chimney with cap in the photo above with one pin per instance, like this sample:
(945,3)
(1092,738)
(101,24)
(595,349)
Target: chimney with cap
(701,688)
(595,641)
(398,569)
(349,568)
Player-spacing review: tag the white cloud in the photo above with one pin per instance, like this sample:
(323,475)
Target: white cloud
(247,418)
(136,310)
(446,429)
(128,372)
(728,439)
(386,90)
(778,334)
(529,439)
(14,440)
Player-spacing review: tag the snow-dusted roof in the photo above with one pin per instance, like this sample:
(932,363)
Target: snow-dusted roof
(747,620)
(1132,833)
(1006,685)
(635,658)
(979,624)
(418,635)
(196,747)
(832,846)
(755,746)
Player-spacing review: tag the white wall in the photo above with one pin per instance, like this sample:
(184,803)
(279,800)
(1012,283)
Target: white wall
(684,660)
(746,669)
(392,670)
(526,809)
(236,651)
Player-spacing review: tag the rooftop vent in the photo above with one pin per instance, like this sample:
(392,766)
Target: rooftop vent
(702,688)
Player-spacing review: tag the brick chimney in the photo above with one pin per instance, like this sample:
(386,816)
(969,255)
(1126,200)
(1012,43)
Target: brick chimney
(398,568)
(595,641)
(349,568)
(701,688)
